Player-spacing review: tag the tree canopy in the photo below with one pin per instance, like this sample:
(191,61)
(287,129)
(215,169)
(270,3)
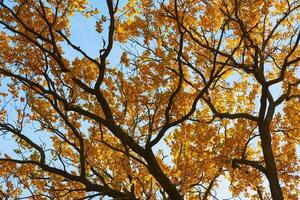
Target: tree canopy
(201,91)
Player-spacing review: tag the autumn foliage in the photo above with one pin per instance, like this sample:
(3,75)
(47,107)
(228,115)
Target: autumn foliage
(201,91)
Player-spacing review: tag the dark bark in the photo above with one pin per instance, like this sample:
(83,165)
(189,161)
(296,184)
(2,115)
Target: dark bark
(266,114)
(271,172)
(161,177)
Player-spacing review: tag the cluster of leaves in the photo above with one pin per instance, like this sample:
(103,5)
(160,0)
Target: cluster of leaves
(204,90)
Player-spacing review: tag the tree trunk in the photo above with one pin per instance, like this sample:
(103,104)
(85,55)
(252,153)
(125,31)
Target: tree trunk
(269,158)
(160,176)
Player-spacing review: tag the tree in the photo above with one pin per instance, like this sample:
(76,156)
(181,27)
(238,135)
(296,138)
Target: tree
(204,89)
